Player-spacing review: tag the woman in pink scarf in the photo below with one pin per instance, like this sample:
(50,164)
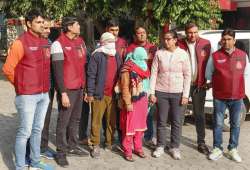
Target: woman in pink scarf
(134,85)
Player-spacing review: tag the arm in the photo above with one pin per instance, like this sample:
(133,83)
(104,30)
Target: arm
(187,76)
(15,54)
(125,83)
(209,69)
(247,69)
(91,74)
(57,64)
(247,77)
(153,76)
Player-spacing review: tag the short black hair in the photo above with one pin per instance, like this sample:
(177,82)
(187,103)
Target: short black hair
(32,14)
(112,23)
(228,31)
(173,33)
(139,26)
(190,25)
(68,21)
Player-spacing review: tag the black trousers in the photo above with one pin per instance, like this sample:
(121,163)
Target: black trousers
(68,121)
(45,132)
(85,122)
(169,104)
(198,96)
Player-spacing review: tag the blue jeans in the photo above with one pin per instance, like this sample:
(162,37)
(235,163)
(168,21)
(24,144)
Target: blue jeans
(150,132)
(234,107)
(31,111)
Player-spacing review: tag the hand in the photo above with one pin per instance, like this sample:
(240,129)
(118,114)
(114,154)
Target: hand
(65,100)
(208,85)
(152,98)
(85,97)
(184,100)
(129,107)
(90,99)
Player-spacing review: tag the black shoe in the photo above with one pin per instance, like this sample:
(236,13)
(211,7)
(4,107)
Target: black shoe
(202,148)
(61,160)
(78,152)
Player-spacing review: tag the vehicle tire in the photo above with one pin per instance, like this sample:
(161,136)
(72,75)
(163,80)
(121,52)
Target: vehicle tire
(226,127)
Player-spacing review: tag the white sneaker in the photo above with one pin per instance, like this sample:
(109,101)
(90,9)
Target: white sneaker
(215,154)
(175,153)
(158,152)
(234,155)
(33,168)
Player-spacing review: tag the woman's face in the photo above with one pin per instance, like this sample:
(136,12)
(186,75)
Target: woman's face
(169,41)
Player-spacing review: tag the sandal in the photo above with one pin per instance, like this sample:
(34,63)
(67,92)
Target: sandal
(140,154)
(129,158)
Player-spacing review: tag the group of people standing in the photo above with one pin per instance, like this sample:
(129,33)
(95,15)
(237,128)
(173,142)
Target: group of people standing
(124,86)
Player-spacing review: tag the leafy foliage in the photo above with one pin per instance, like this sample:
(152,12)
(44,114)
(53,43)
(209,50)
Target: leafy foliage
(52,8)
(152,13)
(202,12)
(157,11)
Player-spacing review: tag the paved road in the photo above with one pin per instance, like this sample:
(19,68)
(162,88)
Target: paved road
(191,159)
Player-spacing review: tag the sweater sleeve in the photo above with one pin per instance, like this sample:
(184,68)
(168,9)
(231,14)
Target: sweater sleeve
(15,54)
(57,64)
(154,72)
(187,75)
(126,96)
(91,74)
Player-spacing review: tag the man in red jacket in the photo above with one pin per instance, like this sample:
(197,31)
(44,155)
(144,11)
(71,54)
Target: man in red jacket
(227,69)
(68,62)
(27,67)
(199,50)
(120,43)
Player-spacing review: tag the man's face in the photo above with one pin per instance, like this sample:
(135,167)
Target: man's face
(75,28)
(141,35)
(46,30)
(114,30)
(227,42)
(192,34)
(36,25)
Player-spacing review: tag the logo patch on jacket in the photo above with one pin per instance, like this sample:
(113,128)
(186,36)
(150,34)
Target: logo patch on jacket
(203,53)
(221,61)
(80,51)
(68,48)
(46,52)
(33,48)
(238,65)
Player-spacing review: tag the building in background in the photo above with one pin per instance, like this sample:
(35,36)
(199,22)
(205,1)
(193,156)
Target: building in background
(236,14)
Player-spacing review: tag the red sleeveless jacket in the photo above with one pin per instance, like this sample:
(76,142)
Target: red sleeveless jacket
(32,72)
(228,76)
(74,62)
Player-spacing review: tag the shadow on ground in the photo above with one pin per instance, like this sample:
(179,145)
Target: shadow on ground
(8,126)
(1,73)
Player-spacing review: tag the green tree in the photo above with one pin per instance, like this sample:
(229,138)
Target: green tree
(206,14)
(52,8)
(152,13)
